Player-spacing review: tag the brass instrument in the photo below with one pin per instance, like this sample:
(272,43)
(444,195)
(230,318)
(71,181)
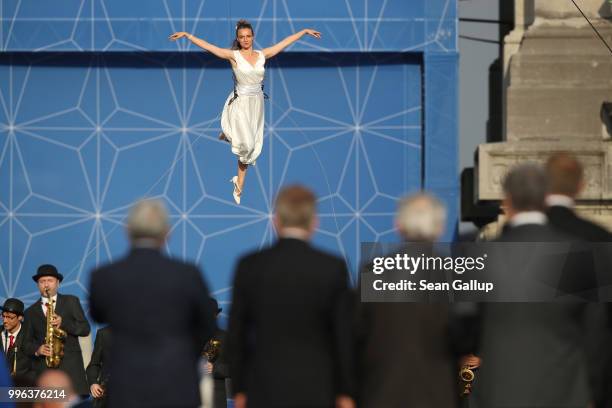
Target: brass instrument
(54,337)
(212,350)
(466,375)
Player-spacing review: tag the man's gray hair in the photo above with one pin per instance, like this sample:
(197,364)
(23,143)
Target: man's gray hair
(421,217)
(148,219)
(526,186)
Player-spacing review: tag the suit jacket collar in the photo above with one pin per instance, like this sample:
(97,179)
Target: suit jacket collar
(508,227)
(135,251)
(37,307)
(145,244)
(59,306)
(288,241)
(524,232)
(20,335)
(561,209)
(294,232)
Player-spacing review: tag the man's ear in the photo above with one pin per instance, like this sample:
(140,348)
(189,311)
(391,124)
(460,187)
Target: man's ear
(505,205)
(277,224)
(581,187)
(314,224)
(397,226)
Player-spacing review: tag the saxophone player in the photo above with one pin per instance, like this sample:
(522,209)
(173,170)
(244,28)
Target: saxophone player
(14,337)
(68,316)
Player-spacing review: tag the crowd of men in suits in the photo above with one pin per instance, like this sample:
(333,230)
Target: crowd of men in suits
(299,336)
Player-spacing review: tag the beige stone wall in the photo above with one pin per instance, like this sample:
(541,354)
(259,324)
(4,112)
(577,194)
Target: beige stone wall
(565,9)
(557,75)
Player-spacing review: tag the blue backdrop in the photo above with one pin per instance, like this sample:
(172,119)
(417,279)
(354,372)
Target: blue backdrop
(98,109)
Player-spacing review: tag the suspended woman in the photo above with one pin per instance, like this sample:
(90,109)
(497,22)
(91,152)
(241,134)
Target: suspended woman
(242,119)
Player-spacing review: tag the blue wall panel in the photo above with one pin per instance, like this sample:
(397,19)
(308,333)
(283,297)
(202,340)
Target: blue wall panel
(89,123)
(118,25)
(441,129)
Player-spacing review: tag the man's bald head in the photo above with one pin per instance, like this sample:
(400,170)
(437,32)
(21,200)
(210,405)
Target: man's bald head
(420,217)
(56,379)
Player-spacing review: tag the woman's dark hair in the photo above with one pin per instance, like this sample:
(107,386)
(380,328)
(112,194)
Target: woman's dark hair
(240,25)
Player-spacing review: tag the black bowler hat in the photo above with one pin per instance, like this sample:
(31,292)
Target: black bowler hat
(47,270)
(13,305)
(215,305)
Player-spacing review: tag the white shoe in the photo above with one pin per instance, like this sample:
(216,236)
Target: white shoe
(223,137)
(236,193)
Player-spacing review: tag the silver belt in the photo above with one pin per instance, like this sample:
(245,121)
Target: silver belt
(249,90)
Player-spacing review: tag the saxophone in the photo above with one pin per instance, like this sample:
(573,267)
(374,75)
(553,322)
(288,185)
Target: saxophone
(467,376)
(54,337)
(212,350)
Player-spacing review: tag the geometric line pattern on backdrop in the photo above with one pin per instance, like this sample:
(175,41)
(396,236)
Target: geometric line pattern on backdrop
(111,25)
(359,143)
(97,153)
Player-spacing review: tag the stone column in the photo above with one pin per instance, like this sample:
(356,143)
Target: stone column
(523,18)
(558,73)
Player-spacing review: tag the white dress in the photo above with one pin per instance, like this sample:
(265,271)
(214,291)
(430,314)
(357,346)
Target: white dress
(242,120)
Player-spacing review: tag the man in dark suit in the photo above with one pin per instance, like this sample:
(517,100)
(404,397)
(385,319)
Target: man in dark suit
(407,356)
(68,316)
(97,369)
(532,353)
(289,326)
(566,182)
(140,294)
(14,338)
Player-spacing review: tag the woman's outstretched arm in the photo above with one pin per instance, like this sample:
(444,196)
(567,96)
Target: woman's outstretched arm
(223,53)
(276,48)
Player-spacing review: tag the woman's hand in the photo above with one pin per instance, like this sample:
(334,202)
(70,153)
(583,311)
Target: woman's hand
(313,33)
(178,35)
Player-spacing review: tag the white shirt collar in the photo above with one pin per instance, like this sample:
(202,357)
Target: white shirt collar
(44,300)
(560,200)
(528,217)
(293,232)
